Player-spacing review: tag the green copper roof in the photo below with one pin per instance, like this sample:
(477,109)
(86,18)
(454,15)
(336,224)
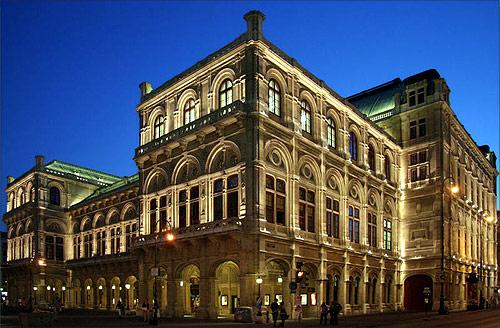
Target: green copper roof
(377,100)
(124,182)
(83,174)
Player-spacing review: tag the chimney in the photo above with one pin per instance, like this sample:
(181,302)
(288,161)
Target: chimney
(10,179)
(39,161)
(254,20)
(146,88)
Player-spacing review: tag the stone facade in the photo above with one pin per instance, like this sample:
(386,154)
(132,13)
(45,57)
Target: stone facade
(259,168)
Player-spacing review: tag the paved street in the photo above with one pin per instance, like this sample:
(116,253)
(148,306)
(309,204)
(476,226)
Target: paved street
(483,319)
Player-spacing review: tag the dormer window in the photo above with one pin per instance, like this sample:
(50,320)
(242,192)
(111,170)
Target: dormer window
(416,97)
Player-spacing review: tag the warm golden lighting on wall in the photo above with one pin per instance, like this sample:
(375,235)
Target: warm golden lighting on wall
(455,189)
(489,219)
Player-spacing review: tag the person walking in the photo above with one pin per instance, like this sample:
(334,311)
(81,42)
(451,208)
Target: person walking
(335,309)
(145,310)
(275,311)
(323,314)
(298,313)
(283,314)
(120,308)
(57,307)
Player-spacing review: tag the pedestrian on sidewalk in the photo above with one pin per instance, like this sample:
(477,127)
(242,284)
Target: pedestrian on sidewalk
(120,308)
(275,311)
(283,314)
(145,310)
(298,313)
(335,309)
(323,314)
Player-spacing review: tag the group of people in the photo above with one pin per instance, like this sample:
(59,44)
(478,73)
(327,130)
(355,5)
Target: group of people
(333,309)
(279,311)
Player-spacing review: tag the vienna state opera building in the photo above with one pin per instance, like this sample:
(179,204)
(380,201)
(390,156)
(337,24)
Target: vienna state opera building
(260,170)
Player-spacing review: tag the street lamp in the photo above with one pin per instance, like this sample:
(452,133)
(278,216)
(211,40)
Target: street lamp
(35,288)
(169,237)
(454,189)
(63,294)
(127,286)
(259,302)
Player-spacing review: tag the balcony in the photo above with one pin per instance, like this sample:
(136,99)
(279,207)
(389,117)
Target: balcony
(103,259)
(188,128)
(209,228)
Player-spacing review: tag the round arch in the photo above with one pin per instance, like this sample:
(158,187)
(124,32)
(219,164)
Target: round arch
(187,160)
(227,160)
(155,181)
(226,73)
(413,291)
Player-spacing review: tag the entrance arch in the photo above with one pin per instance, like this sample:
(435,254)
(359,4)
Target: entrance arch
(115,291)
(190,280)
(227,278)
(414,292)
(131,292)
(88,294)
(101,293)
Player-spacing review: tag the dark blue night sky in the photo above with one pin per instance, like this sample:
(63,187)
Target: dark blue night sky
(70,70)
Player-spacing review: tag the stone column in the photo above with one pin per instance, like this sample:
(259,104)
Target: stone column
(208,298)
(248,289)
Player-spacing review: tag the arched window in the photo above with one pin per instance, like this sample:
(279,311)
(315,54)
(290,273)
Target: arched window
(330,132)
(305,116)
(371,158)
(55,196)
(336,286)
(357,282)
(159,127)
(274,98)
(387,167)
(189,112)
(225,93)
(353,146)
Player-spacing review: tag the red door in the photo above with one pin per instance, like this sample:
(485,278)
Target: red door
(414,292)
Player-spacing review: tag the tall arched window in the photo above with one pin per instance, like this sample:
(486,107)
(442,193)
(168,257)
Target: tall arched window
(387,167)
(189,112)
(330,132)
(305,116)
(159,126)
(274,98)
(225,93)
(371,158)
(353,146)
(55,196)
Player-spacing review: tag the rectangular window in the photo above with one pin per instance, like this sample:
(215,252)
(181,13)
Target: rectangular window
(422,156)
(332,217)
(372,230)
(413,159)
(232,196)
(49,247)
(218,199)
(306,209)
(194,206)
(420,96)
(413,130)
(354,224)
(422,129)
(411,99)
(275,200)
(422,173)
(59,249)
(182,208)
(387,234)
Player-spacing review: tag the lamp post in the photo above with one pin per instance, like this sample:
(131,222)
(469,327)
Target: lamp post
(454,189)
(127,287)
(88,295)
(259,301)
(169,237)
(35,288)
(100,295)
(48,292)
(63,294)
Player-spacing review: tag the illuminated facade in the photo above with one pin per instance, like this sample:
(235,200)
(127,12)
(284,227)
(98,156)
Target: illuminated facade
(259,167)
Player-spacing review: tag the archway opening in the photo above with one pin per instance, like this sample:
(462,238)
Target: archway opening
(227,276)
